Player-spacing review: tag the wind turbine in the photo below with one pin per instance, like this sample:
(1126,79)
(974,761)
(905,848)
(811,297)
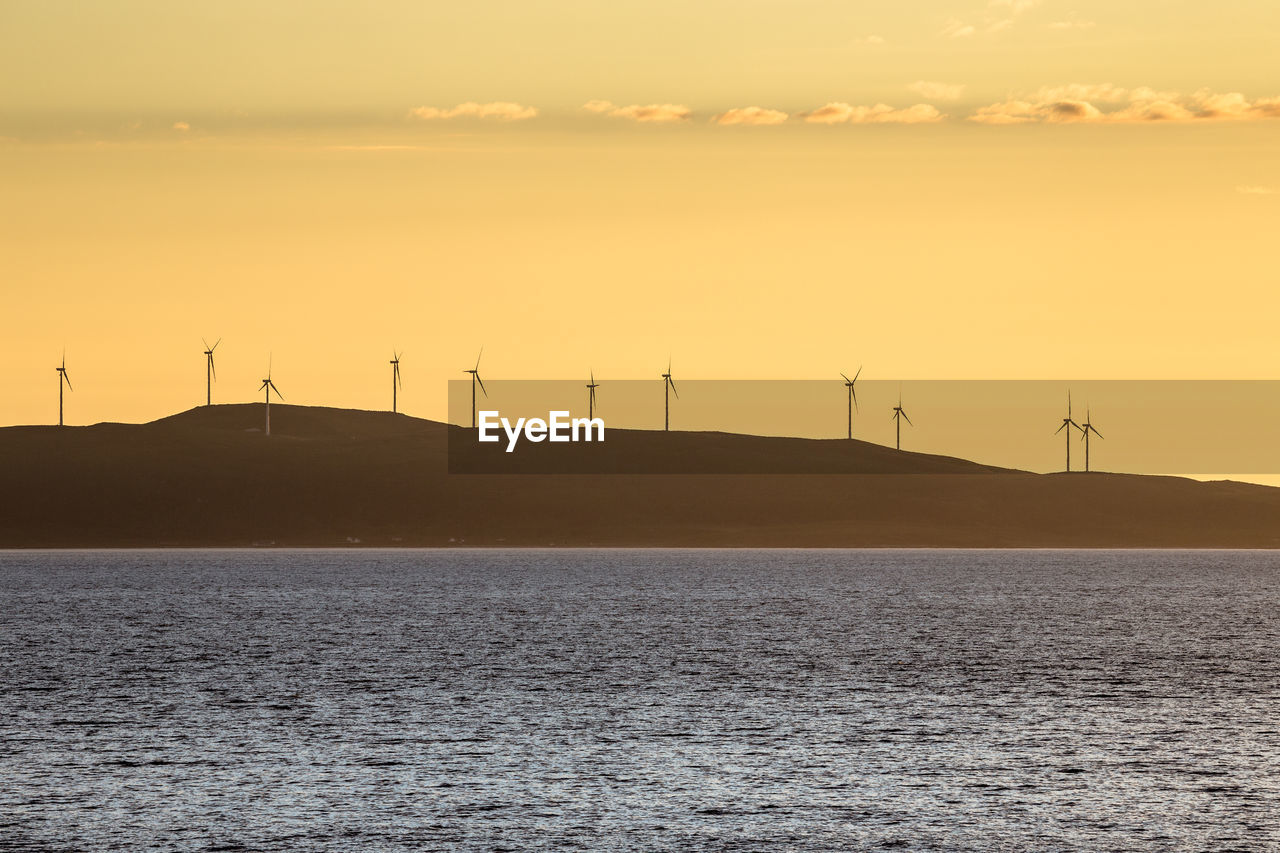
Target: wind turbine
(475,377)
(668,388)
(269,386)
(898,414)
(591,395)
(1066,424)
(210,372)
(1086,429)
(853,396)
(62,377)
(395,378)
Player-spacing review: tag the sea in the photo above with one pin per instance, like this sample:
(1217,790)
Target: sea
(639,700)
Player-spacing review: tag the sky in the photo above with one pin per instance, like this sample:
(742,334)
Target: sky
(758,189)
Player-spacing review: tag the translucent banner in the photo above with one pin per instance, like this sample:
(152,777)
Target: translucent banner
(1193,427)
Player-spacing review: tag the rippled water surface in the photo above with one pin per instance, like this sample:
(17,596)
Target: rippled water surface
(639,700)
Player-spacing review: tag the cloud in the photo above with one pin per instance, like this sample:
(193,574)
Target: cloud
(1073,23)
(499,110)
(937,91)
(181,126)
(958,30)
(1078,102)
(653,112)
(641,112)
(1007,112)
(1255,190)
(1152,110)
(1233,105)
(1086,92)
(999,15)
(1061,111)
(841,113)
(751,115)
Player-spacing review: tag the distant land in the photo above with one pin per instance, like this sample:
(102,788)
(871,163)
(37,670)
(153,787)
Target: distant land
(334,478)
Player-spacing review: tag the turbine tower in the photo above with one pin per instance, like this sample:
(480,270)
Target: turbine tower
(1067,423)
(668,388)
(475,377)
(62,377)
(395,378)
(591,395)
(1087,428)
(269,386)
(898,415)
(210,372)
(853,396)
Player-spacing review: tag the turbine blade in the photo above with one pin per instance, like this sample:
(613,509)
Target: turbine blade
(1060,429)
(673,387)
(478,357)
(859,373)
(904,414)
(853,392)
(481,381)
(213,367)
(68,378)
(1095,432)
(215,344)
(206,344)
(846,379)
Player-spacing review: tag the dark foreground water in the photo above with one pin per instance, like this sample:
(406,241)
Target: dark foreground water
(630,700)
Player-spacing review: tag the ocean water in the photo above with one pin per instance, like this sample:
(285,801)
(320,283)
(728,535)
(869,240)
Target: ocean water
(639,700)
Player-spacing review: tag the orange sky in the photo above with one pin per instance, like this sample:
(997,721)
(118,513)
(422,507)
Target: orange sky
(758,190)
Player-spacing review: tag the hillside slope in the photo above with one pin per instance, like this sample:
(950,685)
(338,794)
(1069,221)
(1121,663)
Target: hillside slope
(329,477)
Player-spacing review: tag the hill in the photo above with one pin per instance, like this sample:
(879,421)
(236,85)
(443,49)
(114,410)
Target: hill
(330,477)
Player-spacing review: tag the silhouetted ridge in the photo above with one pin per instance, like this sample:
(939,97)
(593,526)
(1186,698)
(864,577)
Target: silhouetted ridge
(333,477)
(297,421)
